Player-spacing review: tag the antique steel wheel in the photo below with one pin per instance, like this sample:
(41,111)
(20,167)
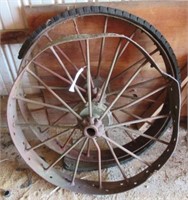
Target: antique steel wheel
(94,95)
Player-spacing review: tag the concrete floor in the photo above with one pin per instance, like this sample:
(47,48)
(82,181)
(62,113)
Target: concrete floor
(170,182)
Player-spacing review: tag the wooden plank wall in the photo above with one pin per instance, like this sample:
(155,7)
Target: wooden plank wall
(164,15)
(170,17)
(12,17)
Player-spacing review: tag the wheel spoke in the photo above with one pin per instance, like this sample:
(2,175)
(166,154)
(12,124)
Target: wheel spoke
(126,132)
(67,72)
(146,136)
(141,84)
(37,109)
(68,139)
(135,98)
(110,71)
(128,96)
(56,75)
(145,61)
(133,115)
(116,159)
(26,125)
(78,160)
(140,99)
(80,42)
(88,148)
(65,55)
(121,92)
(89,81)
(65,153)
(57,120)
(126,44)
(102,48)
(99,163)
(43,88)
(136,121)
(47,140)
(125,150)
(55,95)
(41,104)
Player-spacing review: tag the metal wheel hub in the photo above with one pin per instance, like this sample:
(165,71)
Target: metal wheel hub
(93,128)
(97,110)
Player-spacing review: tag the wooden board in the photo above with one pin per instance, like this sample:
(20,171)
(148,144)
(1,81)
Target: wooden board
(170,18)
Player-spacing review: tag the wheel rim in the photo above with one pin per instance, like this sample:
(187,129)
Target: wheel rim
(92,128)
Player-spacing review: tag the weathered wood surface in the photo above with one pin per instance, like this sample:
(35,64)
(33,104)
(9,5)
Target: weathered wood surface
(170,18)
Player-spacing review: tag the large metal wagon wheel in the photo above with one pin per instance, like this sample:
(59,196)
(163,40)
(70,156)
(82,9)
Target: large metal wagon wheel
(97,86)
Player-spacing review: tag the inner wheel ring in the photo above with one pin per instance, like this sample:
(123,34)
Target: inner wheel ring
(79,150)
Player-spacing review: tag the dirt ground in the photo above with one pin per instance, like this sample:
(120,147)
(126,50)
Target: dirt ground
(170,182)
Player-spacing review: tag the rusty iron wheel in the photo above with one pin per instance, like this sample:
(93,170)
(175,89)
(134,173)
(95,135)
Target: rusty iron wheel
(76,112)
